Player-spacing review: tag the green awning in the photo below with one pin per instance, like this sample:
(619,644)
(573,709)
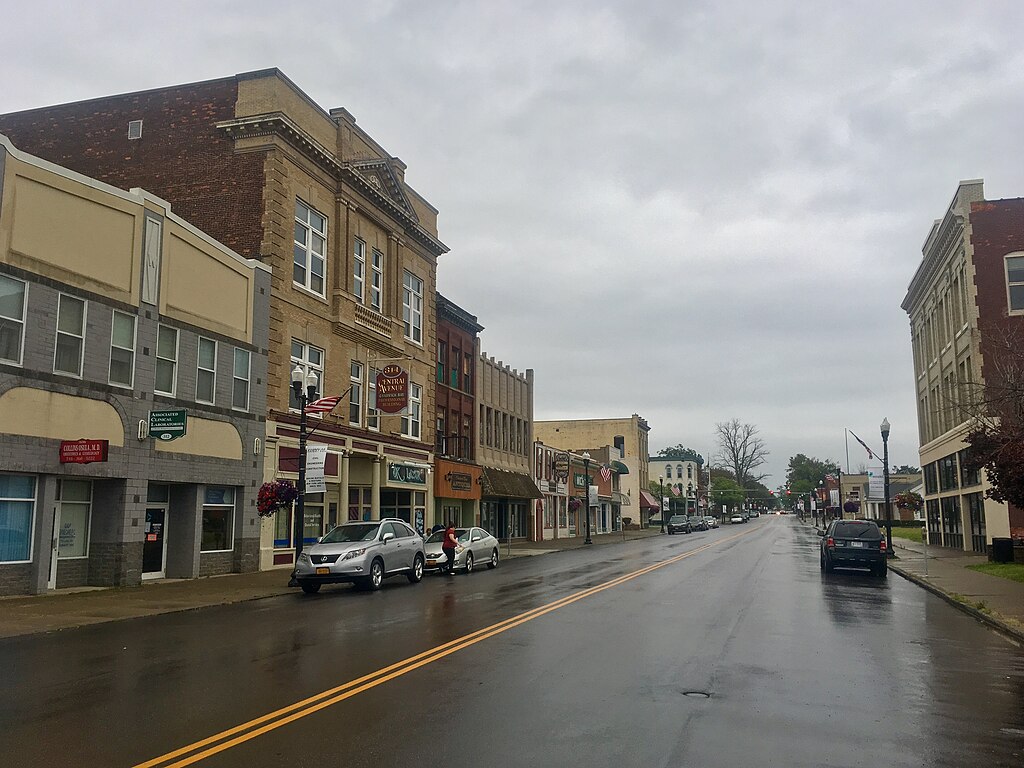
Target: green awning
(619,467)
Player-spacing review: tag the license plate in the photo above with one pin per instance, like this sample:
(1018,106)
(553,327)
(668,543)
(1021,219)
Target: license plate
(856,543)
(322,571)
(431,562)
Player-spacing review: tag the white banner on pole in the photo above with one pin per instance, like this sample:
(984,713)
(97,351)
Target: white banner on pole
(833,497)
(316,458)
(876,483)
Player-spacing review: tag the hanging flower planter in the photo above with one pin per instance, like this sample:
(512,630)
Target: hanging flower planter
(275,495)
(851,507)
(909,501)
(575,504)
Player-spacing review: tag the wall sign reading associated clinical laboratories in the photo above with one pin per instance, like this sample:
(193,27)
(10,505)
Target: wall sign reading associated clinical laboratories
(405,473)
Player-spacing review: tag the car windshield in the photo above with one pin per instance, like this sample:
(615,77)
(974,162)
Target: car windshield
(462,534)
(856,530)
(353,532)
(677,519)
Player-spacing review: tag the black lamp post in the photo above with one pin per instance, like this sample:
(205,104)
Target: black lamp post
(689,493)
(586,494)
(885,476)
(303,396)
(661,501)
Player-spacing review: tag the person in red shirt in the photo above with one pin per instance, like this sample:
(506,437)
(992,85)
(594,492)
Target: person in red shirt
(448,547)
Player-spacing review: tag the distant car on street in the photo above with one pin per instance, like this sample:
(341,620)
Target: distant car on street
(679,524)
(698,523)
(475,546)
(737,518)
(711,521)
(854,544)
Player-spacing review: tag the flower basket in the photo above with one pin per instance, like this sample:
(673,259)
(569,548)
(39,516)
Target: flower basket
(851,507)
(275,495)
(575,504)
(909,501)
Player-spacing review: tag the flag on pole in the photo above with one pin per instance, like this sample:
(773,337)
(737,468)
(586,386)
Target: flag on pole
(606,472)
(871,454)
(324,404)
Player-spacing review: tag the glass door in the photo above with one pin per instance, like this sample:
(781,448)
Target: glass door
(154,547)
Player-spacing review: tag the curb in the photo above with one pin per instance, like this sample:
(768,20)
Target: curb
(997,624)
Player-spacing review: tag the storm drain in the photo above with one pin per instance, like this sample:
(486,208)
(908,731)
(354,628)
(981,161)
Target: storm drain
(697,694)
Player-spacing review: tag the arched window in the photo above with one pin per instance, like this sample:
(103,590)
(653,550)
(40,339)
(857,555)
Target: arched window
(689,471)
(668,471)
(679,471)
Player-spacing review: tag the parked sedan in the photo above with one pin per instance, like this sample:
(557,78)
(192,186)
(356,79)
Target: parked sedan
(711,521)
(854,544)
(698,523)
(475,546)
(679,524)
(362,553)
(738,517)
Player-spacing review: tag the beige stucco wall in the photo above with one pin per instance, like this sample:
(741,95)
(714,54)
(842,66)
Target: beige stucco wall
(206,437)
(40,413)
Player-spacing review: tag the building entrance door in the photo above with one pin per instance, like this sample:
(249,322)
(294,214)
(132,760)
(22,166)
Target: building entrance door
(154,547)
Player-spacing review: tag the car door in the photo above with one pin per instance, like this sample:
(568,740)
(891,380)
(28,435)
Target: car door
(407,538)
(390,551)
(476,545)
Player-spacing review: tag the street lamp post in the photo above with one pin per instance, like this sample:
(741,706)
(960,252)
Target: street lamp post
(661,501)
(885,476)
(303,396)
(586,494)
(689,493)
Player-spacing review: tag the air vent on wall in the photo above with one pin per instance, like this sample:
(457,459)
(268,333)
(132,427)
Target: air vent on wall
(134,129)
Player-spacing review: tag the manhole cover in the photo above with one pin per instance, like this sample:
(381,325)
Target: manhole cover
(697,694)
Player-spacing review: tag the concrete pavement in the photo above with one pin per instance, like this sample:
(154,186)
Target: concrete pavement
(70,608)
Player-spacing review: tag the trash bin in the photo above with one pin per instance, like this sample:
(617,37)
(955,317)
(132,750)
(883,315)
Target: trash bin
(1002,550)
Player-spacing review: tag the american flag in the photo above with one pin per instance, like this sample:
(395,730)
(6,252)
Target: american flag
(606,473)
(677,489)
(324,404)
(871,454)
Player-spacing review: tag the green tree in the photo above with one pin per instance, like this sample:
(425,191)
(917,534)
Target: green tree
(905,469)
(725,490)
(680,453)
(806,472)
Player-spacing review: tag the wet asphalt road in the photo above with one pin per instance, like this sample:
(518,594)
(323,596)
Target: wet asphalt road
(800,669)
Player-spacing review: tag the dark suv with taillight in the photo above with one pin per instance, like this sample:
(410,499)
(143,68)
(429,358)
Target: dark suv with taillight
(854,544)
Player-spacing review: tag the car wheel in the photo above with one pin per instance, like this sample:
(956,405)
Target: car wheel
(469,562)
(882,570)
(493,563)
(669,531)
(821,560)
(829,568)
(309,588)
(376,577)
(416,575)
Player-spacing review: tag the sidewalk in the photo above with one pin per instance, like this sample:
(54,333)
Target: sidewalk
(70,608)
(994,600)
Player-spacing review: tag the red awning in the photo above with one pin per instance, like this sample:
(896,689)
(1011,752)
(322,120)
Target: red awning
(646,500)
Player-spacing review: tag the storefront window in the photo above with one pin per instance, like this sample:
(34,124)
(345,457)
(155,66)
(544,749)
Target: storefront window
(313,517)
(75,499)
(218,519)
(359,503)
(17,517)
(283,528)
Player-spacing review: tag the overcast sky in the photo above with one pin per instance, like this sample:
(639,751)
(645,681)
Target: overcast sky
(693,211)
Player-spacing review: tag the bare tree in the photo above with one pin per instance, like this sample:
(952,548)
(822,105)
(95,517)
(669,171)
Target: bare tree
(741,450)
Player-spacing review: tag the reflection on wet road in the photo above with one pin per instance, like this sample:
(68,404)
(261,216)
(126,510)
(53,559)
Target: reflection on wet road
(741,652)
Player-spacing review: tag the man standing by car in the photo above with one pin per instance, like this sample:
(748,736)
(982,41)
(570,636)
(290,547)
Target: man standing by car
(450,543)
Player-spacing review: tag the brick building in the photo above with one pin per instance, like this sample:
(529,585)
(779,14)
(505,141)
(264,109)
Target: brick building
(102,321)
(353,248)
(966,294)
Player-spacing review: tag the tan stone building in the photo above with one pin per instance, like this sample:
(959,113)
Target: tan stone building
(353,248)
(629,435)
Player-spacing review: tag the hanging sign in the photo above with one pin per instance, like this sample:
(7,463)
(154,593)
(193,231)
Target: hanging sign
(405,473)
(876,482)
(167,425)
(83,451)
(392,389)
(316,458)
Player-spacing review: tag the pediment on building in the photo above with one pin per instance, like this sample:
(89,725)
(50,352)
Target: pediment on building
(381,178)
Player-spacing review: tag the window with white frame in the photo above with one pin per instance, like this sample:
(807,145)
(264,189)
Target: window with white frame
(411,421)
(17,517)
(1015,282)
(240,380)
(355,397)
(122,349)
(75,500)
(372,414)
(309,267)
(218,519)
(206,371)
(70,345)
(377,280)
(166,359)
(12,318)
(308,358)
(359,269)
(412,307)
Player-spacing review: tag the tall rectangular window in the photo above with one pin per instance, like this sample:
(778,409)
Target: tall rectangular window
(17,517)
(309,267)
(67,353)
(412,307)
(12,318)
(455,366)
(355,399)
(1015,282)
(411,421)
(467,373)
(206,371)
(377,281)
(309,359)
(359,269)
(240,380)
(166,359)
(75,499)
(442,360)
(372,414)
(122,349)
(440,436)
(218,519)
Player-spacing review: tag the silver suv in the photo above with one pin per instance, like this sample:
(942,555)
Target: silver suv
(362,553)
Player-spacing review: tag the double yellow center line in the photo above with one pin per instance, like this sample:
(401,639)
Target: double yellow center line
(240,734)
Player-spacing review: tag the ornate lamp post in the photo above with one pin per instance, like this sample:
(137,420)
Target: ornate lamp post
(885,476)
(586,494)
(303,396)
(661,501)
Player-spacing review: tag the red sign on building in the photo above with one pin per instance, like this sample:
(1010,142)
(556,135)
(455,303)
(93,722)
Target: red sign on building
(83,451)
(392,389)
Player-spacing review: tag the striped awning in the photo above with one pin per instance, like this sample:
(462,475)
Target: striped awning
(646,500)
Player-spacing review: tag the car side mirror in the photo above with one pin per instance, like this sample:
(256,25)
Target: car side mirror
(387,537)
(820,532)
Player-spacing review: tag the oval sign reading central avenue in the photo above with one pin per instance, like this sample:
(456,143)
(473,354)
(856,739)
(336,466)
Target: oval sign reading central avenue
(392,389)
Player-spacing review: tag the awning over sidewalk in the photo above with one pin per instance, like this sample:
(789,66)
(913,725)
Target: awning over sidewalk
(504,483)
(648,501)
(618,497)
(619,467)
